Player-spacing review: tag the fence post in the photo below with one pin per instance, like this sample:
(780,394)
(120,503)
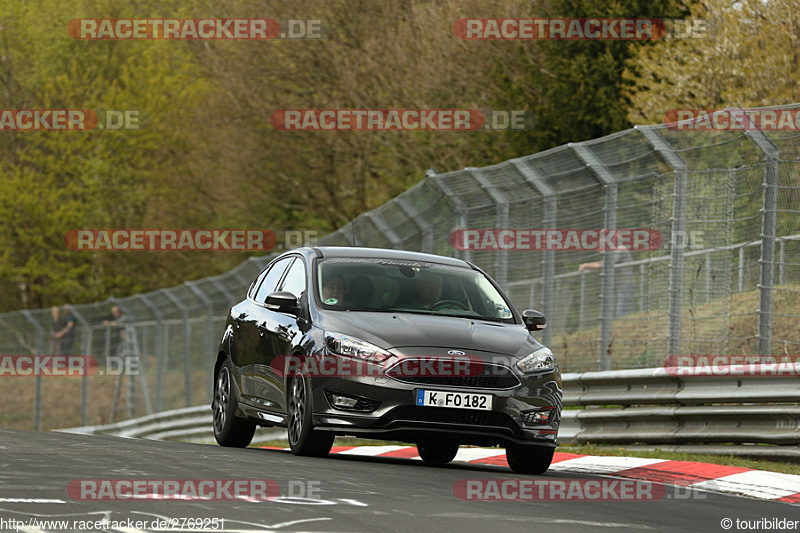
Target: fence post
(187,347)
(642,272)
(678,228)
(500,273)
(549,256)
(741,269)
(384,228)
(768,229)
(414,216)
(231,298)
(161,344)
(209,335)
(582,305)
(608,294)
(458,203)
(85,377)
(39,347)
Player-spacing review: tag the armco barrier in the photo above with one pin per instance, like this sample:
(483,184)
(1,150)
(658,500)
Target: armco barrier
(653,406)
(192,424)
(648,406)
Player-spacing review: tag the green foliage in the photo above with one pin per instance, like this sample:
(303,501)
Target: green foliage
(575,88)
(208,157)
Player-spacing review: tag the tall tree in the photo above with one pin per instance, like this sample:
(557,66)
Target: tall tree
(574,87)
(751,59)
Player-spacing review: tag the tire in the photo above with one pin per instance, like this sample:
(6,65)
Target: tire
(438,453)
(529,459)
(229,429)
(303,439)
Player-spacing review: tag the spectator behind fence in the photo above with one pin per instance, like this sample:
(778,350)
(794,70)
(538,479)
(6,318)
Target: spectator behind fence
(118,322)
(66,335)
(58,325)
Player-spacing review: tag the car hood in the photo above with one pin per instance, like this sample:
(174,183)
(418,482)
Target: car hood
(395,331)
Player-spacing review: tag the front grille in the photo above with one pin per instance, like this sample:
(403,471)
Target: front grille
(444,415)
(492,376)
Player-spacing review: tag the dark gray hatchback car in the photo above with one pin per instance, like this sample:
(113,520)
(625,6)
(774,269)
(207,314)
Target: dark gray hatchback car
(388,345)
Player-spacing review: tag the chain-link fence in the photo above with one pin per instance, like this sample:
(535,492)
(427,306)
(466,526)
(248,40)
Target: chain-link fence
(724,281)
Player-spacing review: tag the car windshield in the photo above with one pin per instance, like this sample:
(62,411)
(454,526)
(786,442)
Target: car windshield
(390,285)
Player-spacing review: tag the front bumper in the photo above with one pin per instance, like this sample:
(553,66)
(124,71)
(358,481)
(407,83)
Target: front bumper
(395,416)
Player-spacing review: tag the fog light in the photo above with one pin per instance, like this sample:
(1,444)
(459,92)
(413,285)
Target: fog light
(343,401)
(538,416)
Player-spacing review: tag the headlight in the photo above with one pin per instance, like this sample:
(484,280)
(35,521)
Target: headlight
(542,360)
(342,344)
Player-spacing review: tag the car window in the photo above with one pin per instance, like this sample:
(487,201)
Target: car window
(251,292)
(362,284)
(271,279)
(295,280)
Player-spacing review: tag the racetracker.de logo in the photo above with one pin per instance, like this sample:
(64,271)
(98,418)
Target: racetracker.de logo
(68,120)
(169,240)
(572,29)
(47,365)
(173,489)
(557,489)
(195,29)
(401,119)
(733,365)
(733,119)
(173,29)
(407,367)
(556,239)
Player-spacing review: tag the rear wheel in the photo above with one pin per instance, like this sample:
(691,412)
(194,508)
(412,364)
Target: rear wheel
(529,459)
(229,429)
(440,453)
(303,439)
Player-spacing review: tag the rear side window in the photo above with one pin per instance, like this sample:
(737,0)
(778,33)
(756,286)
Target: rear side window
(271,280)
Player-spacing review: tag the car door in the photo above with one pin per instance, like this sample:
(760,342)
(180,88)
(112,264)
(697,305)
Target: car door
(248,316)
(281,332)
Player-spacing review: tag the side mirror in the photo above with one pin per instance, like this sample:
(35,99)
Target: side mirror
(283,302)
(534,320)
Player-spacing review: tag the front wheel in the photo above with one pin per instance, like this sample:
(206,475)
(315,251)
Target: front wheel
(303,439)
(529,459)
(229,430)
(439,453)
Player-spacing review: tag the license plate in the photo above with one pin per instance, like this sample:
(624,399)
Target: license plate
(457,400)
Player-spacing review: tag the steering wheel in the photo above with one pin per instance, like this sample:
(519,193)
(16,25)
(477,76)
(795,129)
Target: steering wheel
(447,304)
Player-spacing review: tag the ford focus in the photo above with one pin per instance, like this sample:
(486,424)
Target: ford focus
(389,345)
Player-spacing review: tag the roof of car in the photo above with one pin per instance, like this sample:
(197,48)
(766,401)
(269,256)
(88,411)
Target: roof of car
(383,253)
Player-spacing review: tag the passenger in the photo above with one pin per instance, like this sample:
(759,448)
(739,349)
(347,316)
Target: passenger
(361,291)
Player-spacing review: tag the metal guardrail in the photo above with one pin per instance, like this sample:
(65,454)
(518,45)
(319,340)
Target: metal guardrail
(648,406)
(653,406)
(191,424)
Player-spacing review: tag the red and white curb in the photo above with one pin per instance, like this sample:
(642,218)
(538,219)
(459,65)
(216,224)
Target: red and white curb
(706,476)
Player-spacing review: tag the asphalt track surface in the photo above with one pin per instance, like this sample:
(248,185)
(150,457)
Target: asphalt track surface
(354,493)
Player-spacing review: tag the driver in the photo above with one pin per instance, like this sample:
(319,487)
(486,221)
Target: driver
(429,288)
